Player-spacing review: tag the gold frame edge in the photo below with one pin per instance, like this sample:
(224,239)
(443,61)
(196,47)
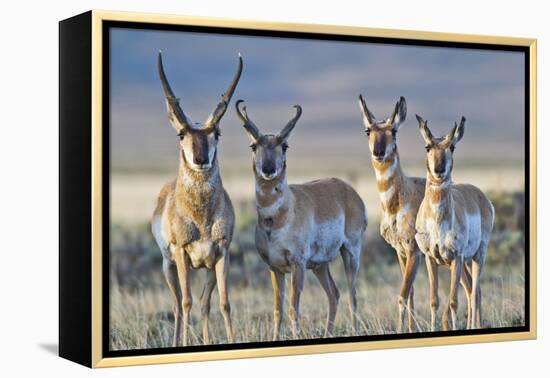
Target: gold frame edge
(97,200)
(98,16)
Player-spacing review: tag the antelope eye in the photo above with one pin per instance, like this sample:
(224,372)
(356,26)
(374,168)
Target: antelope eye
(217,134)
(285,147)
(452,148)
(428,148)
(181,135)
(367,131)
(253,147)
(394,132)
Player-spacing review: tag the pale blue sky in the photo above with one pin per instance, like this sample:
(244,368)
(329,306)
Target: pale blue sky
(325,77)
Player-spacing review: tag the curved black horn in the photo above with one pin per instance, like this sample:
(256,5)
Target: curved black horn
(174,110)
(218,113)
(247,123)
(290,125)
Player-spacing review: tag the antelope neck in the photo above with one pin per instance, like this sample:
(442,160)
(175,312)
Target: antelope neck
(198,188)
(270,192)
(273,201)
(388,179)
(438,194)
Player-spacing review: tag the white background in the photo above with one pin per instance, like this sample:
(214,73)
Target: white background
(29,185)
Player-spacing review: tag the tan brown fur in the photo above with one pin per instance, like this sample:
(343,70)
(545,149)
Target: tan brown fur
(194,219)
(400,198)
(197,220)
(303,226)
(409,193)
(303,206)
(454,226)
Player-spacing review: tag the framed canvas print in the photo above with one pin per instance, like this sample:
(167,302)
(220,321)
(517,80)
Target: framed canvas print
(235,189)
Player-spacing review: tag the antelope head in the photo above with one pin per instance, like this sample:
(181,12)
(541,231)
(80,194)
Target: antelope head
(439,151)
(269,150)
(198,142)
(382,134)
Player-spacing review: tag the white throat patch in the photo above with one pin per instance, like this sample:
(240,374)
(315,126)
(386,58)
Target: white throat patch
(388,173)
(386,196)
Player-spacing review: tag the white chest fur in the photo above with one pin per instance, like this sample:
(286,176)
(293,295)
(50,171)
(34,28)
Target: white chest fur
(309,245)
(442,240)
(457,235)
(396,228)
(202,253)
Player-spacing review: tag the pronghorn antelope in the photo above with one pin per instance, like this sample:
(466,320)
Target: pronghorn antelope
(303,226)
(194,218)
(400,197)
(454,226)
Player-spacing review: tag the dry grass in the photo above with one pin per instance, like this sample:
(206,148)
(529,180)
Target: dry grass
(142,318)
(141,308)
(133,195)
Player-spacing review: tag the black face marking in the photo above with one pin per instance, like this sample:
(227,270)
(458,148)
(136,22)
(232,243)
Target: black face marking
(268,163)
(200,148)
(379,148)
(439,167)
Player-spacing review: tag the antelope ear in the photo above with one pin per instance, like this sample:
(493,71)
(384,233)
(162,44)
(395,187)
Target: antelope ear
(424,130)
(458,131)
(368,117)
(399,114)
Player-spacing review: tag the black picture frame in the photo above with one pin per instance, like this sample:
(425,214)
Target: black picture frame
(76,197)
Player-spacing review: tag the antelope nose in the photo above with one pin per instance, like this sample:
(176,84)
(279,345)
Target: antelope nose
(200,160)
(439,173)
(378,153)
(268,169)
(439,170)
